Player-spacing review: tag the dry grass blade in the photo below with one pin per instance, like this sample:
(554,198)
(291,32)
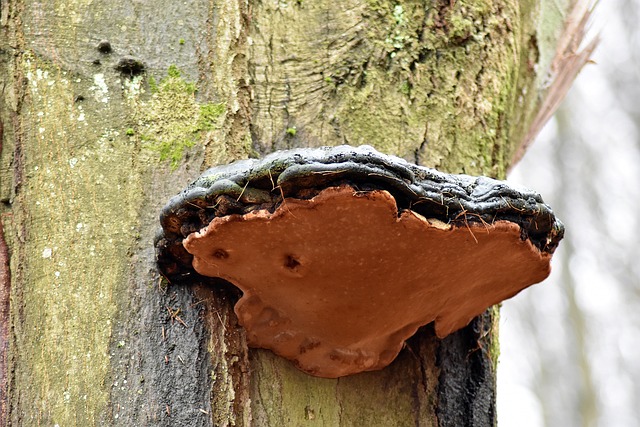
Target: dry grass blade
(567,63)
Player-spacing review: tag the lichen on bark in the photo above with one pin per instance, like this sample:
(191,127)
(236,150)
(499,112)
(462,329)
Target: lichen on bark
(78,228)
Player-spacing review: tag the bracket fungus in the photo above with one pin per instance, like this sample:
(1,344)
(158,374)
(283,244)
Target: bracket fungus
(343,253)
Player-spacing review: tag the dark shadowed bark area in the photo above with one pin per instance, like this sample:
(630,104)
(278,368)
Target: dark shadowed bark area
(107,109)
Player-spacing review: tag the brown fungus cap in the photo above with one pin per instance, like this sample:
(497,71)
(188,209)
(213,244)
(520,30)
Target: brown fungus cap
(337,283)
(338,274)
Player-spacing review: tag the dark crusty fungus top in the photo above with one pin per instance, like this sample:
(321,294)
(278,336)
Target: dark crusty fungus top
(343,253)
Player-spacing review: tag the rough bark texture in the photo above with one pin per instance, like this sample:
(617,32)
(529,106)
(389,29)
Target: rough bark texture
(91,152)
(5,322)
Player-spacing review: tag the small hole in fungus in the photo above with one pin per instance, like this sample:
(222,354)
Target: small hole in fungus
(291,263)
(221,254)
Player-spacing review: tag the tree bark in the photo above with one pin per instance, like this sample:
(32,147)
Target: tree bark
(93,146)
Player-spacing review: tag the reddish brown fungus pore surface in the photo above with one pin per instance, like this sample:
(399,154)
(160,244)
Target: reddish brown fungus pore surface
(337,283)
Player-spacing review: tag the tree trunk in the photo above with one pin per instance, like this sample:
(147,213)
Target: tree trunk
(97,136)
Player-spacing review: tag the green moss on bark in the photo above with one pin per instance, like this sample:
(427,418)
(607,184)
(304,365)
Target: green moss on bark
(172,121)
(457,62)
(429,82)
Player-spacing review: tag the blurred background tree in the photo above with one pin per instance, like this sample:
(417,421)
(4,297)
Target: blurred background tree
(570,346)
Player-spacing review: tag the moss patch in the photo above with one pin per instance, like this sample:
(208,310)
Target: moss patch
(437,92)
(431,82)
(172,120)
